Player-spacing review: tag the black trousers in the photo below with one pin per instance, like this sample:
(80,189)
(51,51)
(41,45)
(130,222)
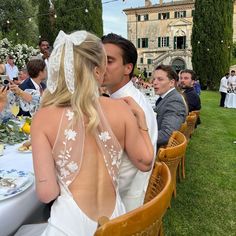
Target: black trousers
(222,100)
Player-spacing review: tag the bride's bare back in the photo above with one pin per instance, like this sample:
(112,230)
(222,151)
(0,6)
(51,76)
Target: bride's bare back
(93,187)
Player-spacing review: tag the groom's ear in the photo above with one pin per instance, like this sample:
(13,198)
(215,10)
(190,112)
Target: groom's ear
(128,69)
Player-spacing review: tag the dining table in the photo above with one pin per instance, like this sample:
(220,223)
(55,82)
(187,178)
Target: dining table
(16,209)
(230,100)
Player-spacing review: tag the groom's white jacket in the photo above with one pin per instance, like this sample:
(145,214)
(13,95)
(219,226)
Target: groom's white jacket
(132,182)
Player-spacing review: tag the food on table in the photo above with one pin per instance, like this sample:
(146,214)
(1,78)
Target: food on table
(26,146)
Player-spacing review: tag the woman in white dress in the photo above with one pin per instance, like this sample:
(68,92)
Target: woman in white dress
(78,139)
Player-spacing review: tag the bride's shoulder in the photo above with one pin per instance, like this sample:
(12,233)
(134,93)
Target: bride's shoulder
(48,114)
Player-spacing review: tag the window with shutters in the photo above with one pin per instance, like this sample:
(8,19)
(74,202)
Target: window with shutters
(141,60)
(180,14)
(149,61)
(142,42)
(163,42)
(143,17)
(163,16)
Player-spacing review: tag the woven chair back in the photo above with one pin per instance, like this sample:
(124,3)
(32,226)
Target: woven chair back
(145,220)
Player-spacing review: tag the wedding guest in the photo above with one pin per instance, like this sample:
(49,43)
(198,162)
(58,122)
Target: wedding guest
(78,140)
(11,95)
(232,80)
(44,50)
(3,98)
(37,72)
(2,68)
(170,106)
(197,87)
(23,75)
(187,78)
(10,68)
(121,60)
(223,89)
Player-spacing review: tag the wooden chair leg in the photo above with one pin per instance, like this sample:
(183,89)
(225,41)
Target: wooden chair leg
(161,231)
(183,166)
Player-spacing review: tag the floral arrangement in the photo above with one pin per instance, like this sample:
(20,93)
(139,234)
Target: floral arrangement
(11,134)
(21,52)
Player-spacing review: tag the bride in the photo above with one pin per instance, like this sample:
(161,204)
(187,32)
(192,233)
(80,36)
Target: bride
(78,139)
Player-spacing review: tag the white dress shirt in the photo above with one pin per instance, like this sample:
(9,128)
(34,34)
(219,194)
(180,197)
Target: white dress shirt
(11,71)
(232,81)
(223,85)
(132,182)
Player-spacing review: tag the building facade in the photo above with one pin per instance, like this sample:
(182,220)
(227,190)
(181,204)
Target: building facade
(162,33)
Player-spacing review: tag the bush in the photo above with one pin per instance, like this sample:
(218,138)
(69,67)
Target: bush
(21,52)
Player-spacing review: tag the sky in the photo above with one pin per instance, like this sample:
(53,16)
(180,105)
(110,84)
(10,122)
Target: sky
(114,20)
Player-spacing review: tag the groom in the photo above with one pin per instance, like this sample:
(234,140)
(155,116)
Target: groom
(121,60)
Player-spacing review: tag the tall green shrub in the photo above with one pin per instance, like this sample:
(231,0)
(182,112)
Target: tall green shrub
(79,15)
(212,40)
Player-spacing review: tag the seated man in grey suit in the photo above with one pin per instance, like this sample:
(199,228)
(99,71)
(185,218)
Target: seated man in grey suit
(170,107)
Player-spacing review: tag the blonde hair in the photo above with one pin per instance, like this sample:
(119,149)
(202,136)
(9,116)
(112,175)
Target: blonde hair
(88,55)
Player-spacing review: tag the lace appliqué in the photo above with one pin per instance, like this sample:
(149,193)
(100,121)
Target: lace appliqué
(113,163)
(65,166)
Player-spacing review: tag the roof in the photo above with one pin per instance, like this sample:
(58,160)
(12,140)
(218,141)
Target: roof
(164,4)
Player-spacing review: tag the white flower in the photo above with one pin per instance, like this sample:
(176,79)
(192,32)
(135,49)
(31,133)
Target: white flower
(70,114)
(70,134)
(64,172)
(104,136)
(72,166)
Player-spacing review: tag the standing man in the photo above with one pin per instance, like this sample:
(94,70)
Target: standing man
(170,106)
(187,78)
(121,60)
(44,50)
(10,68)
(232,80)
(223,89)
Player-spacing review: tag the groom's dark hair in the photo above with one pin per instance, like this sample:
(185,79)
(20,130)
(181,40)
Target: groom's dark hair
(129,52)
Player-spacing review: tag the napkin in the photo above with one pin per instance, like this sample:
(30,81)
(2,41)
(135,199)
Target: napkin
(18,184)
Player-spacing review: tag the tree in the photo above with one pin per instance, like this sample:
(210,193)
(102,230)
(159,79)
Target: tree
(14,21)
(212,40)
(79,15)
(46,21)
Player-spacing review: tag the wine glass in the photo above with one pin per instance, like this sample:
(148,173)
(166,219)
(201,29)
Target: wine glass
(15,109)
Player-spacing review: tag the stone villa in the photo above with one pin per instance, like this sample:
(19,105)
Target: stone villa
(162,33)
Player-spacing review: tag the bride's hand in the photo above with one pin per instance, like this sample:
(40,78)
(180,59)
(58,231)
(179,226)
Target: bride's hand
(135,108)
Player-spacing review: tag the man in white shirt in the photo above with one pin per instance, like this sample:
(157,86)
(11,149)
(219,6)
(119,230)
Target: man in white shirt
(10,68)
(223,89)
(232,80)
(121,60)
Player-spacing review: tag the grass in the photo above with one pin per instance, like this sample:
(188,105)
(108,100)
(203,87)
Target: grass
(206,199)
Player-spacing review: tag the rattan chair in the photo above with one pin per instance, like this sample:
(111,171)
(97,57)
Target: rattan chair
(173,154)
(145,220)
(183,128)
(197,113)
(191,120)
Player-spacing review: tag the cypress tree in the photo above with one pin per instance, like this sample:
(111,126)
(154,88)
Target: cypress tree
(46,21)
(79,15)
(212,40)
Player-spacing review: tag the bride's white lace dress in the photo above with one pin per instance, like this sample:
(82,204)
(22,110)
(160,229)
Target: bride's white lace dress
(71,215)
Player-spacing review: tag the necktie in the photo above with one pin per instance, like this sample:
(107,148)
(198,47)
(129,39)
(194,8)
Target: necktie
(158,100)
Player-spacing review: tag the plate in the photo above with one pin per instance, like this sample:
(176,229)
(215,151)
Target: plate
(25,151)
(14,182)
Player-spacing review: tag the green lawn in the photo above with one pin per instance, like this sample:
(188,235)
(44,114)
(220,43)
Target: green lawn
(206,199)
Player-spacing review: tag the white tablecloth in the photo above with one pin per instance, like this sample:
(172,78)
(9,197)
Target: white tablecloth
(14,211)
(230,100)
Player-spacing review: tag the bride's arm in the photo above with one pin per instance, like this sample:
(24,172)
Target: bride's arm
(47,187)
(138,144)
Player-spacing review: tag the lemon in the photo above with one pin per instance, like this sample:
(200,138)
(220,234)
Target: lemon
(26,128)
